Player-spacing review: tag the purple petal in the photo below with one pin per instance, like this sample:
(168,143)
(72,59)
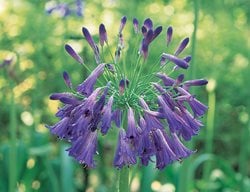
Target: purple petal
(132,131)
(67,79)
(107,116)
(116,117)
(182,46)
(148,23)
(157,31)
(73,54)
(144,30)
(84,148)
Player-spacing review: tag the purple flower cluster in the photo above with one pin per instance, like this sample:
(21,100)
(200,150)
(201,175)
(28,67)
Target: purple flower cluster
(65,9)
(153,113)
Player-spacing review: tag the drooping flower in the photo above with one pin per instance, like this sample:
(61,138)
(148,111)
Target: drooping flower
(152,112)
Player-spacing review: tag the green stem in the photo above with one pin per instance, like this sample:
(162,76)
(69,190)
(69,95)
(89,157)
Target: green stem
(209,133)
(124,180)
(244,156)
(13,141)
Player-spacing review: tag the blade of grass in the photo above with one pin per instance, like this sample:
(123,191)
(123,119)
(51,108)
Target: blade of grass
(13,141)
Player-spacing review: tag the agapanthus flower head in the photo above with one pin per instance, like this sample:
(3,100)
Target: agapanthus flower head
(64,9)
(150,111)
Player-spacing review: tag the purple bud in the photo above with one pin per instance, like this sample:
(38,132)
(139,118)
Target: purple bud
(136,25)
(187,58)
(179,62)
(73,54)
(67,79)
(102,34)
(169,35)
(157,31)
(122,85)
(57,96)
(148,23)
(196,82)
(182,46)
(89,38)
(123,22)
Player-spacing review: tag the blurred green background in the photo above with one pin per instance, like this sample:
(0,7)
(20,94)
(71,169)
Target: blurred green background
(31,159)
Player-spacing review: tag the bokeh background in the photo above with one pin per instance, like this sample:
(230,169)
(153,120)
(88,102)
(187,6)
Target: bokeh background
(32,59)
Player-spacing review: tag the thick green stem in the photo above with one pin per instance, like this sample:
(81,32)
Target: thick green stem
(209,132)
(124,180)
(13,141)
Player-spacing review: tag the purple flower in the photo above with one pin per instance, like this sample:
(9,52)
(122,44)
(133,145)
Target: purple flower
(152,112)
(179,62)
(124,154)
(84,147)
(164,154)
(87,87)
